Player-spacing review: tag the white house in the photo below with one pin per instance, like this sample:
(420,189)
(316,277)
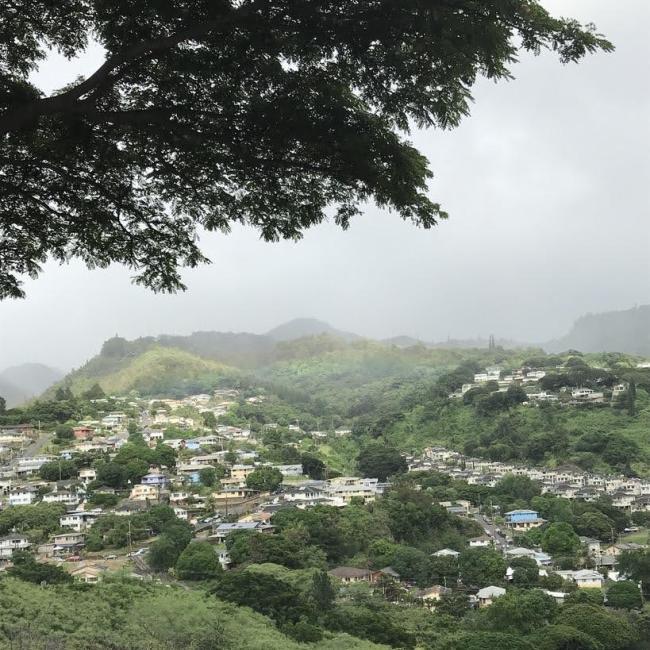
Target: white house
(67,498)
(289,470)
(87,474)
(11,543)
(80,519)
(487,595)
(22,496)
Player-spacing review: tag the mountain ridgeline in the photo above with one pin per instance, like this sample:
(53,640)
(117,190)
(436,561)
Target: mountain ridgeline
(176,364)
(614,331)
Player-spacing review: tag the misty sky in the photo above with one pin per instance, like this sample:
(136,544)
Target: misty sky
(547,184)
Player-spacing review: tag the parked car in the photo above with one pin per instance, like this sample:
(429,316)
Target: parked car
(73,558)
(111,557)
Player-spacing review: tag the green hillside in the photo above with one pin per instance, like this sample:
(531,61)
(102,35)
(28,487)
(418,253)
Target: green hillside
(126,614)
(156,371)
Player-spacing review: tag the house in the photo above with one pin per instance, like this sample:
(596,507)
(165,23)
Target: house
(623,500)
(389,572)
(29,466)
(224,557)
(289,470)
(588,579)
(181,513)
(606,561)
(67,498)
(521,551)
(114,420)
(349,487)
(488,595)
(223,530)
(145,493)
(79,520)
(446,552)
(153,436)
(431,595)
(350,575)
(23,495)
(232,496)
(241,472)
(558,596)
(82,432)
(87,475)
(592,545)
(586,396)
(622,547)
(481,542)
(65,544)
(90,574)
(523,519)
(155,478)
(460,508)
(11,543)
(584,578)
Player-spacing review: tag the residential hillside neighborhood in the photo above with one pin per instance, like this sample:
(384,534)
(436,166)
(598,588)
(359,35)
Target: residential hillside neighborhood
(545,385)
(630,494)
(215,481)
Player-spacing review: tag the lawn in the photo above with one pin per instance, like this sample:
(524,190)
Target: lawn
(640,537)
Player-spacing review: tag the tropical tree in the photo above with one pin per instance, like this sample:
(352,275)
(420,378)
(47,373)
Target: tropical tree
(198,561)
(636,565)
(265,479)
(560,539)
(624,595)
(206,114)
(380,461)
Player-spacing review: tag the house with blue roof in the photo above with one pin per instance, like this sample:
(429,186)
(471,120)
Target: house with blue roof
(523,519)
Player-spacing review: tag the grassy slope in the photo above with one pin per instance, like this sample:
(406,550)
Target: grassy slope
(155,371)
(119,615)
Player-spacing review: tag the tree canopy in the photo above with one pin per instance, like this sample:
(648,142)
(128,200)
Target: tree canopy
(205,114)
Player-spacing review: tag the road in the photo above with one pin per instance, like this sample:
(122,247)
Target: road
(35,448)
(500,542)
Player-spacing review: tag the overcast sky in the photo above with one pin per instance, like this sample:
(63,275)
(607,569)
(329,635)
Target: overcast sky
(547,184)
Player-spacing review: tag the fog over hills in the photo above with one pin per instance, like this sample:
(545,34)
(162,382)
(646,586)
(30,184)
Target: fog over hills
(625,331)
(615,331)
(20,383)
